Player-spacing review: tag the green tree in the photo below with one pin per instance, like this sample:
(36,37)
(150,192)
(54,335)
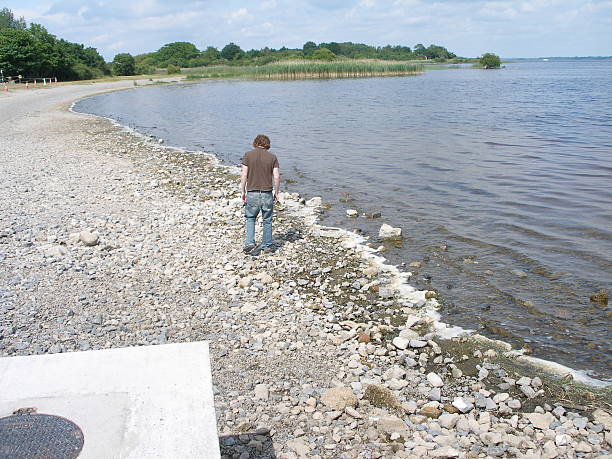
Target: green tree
(232,52)
(490,61)
(173,69)
(178,53)
(211,55)
(309,48)
(17,52)
(9,21)
(323,54)
(124,64)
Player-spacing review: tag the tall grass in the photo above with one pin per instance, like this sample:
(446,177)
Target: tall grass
(297,70)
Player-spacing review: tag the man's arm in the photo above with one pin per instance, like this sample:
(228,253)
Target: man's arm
(243,181)
(276,175)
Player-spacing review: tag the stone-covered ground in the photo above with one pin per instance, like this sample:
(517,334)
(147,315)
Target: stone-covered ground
(108,239)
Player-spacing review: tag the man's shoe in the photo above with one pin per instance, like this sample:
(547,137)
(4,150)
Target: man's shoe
(268,250)
(248,248)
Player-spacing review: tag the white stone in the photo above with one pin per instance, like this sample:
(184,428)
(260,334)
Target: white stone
(445,451)
(352,213)
(434,380)
(88,238)
(502,397)
(395,372)
(514,404)
(540,420)
(262,392)
(462,405)
(389,232)
(400,343)
(314,202)
(563,440)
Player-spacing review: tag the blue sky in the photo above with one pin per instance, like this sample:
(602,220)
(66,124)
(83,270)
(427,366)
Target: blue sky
(530,28)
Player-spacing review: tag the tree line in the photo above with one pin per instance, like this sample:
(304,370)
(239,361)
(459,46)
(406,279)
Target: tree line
(34,52)
(187,55)
(31,51)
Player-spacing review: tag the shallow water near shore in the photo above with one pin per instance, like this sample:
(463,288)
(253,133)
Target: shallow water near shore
(510,169)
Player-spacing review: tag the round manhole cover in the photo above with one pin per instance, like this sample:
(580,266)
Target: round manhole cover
(40,436)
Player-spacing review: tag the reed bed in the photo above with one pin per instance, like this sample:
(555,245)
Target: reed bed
(298,70)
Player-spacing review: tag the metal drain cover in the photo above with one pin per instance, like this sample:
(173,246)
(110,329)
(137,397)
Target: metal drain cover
(40,436)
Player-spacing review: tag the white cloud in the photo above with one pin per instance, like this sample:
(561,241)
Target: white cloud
(466,27)
(238,15)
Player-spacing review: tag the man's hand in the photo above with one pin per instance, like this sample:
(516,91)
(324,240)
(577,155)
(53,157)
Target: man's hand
(276,198)
(244,196)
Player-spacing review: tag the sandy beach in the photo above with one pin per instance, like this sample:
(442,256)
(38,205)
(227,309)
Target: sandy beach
(110,239)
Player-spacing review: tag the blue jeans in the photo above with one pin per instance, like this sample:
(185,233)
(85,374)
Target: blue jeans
(258,201)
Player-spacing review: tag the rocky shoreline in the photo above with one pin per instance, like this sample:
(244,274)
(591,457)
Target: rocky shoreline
(109,239)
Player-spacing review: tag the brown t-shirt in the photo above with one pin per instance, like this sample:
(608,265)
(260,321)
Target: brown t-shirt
(260,163)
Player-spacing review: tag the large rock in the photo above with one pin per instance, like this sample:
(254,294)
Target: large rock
(382,397)
(338,398)
(88,238)
(389,232)
(434,380)
(388,425)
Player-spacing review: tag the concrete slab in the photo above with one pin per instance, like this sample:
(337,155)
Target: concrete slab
(138,402)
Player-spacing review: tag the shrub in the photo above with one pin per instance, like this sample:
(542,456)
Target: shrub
(145,69)
(173,69)
(323,54)
(490,61)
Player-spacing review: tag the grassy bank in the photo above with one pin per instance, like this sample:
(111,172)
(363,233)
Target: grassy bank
(297,70)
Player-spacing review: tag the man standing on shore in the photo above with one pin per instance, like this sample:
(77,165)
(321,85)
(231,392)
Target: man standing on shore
(259,168)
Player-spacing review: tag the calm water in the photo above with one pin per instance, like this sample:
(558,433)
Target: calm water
(512,169)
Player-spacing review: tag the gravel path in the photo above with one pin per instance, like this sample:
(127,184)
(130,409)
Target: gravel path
(108,239)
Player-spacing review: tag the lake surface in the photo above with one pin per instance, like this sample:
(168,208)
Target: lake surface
(511,169)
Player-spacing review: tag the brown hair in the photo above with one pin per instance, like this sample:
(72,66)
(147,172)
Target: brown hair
(262,141)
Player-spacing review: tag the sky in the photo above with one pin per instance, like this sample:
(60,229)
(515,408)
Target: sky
(469,28)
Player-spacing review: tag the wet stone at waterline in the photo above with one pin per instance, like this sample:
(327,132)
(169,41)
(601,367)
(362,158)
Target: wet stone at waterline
(39,435)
